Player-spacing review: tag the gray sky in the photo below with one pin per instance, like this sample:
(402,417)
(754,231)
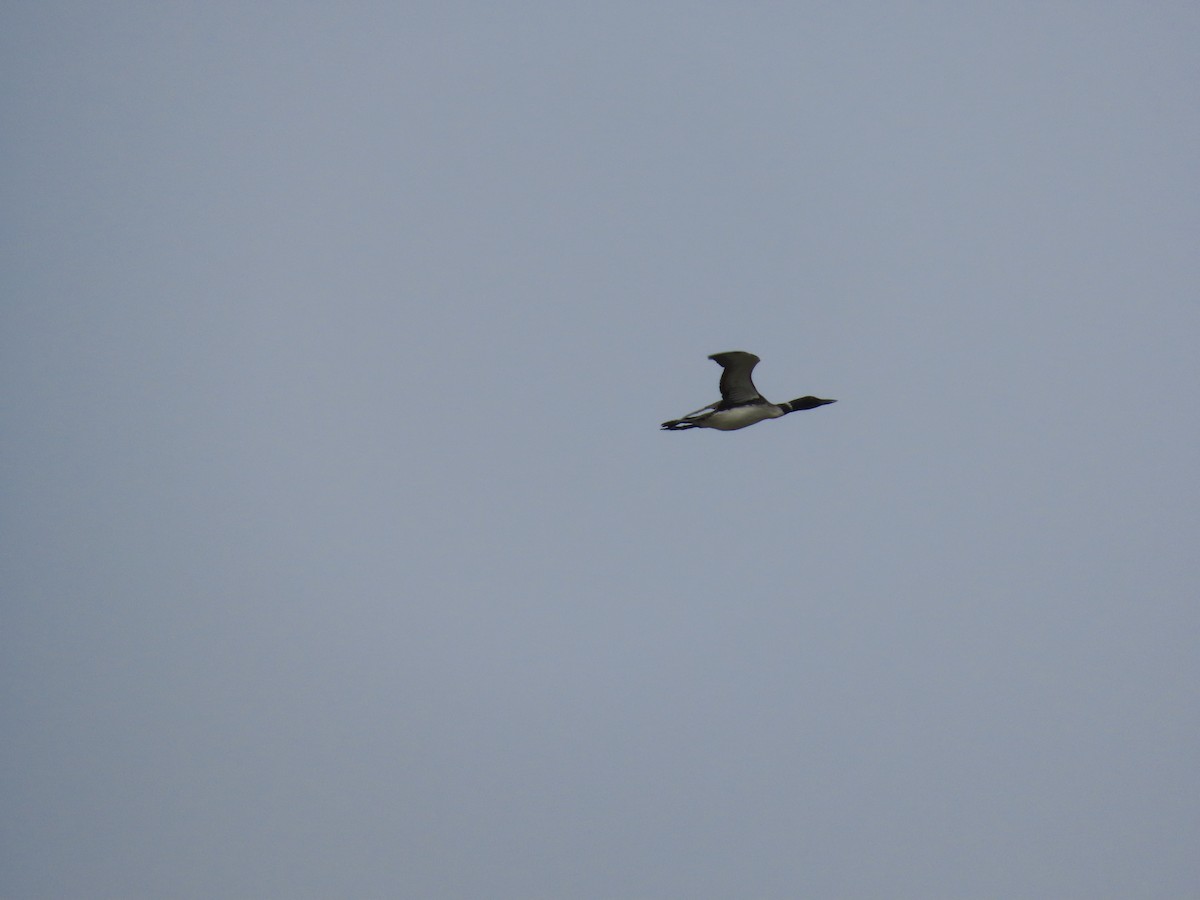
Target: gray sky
(343,556)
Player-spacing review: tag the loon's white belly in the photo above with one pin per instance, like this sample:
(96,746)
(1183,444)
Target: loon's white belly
(741,416)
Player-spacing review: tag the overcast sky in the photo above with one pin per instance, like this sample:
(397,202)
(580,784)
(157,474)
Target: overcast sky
(342,553)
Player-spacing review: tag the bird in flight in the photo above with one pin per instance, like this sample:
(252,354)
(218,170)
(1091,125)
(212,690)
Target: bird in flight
(741,404)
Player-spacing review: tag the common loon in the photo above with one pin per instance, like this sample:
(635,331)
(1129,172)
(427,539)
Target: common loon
(741,404)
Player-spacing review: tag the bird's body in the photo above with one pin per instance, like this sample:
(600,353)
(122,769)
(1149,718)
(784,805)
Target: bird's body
(741,404)
(739,416)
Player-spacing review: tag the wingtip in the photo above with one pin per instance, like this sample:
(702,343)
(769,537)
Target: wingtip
(729,354)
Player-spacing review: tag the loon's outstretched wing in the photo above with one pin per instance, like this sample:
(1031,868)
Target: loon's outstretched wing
(736,386)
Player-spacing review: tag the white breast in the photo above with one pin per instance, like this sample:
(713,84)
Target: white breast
(741,416)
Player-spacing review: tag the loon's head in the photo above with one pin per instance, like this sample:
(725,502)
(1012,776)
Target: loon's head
(809,403)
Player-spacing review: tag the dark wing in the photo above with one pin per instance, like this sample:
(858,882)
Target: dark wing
(736,386)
